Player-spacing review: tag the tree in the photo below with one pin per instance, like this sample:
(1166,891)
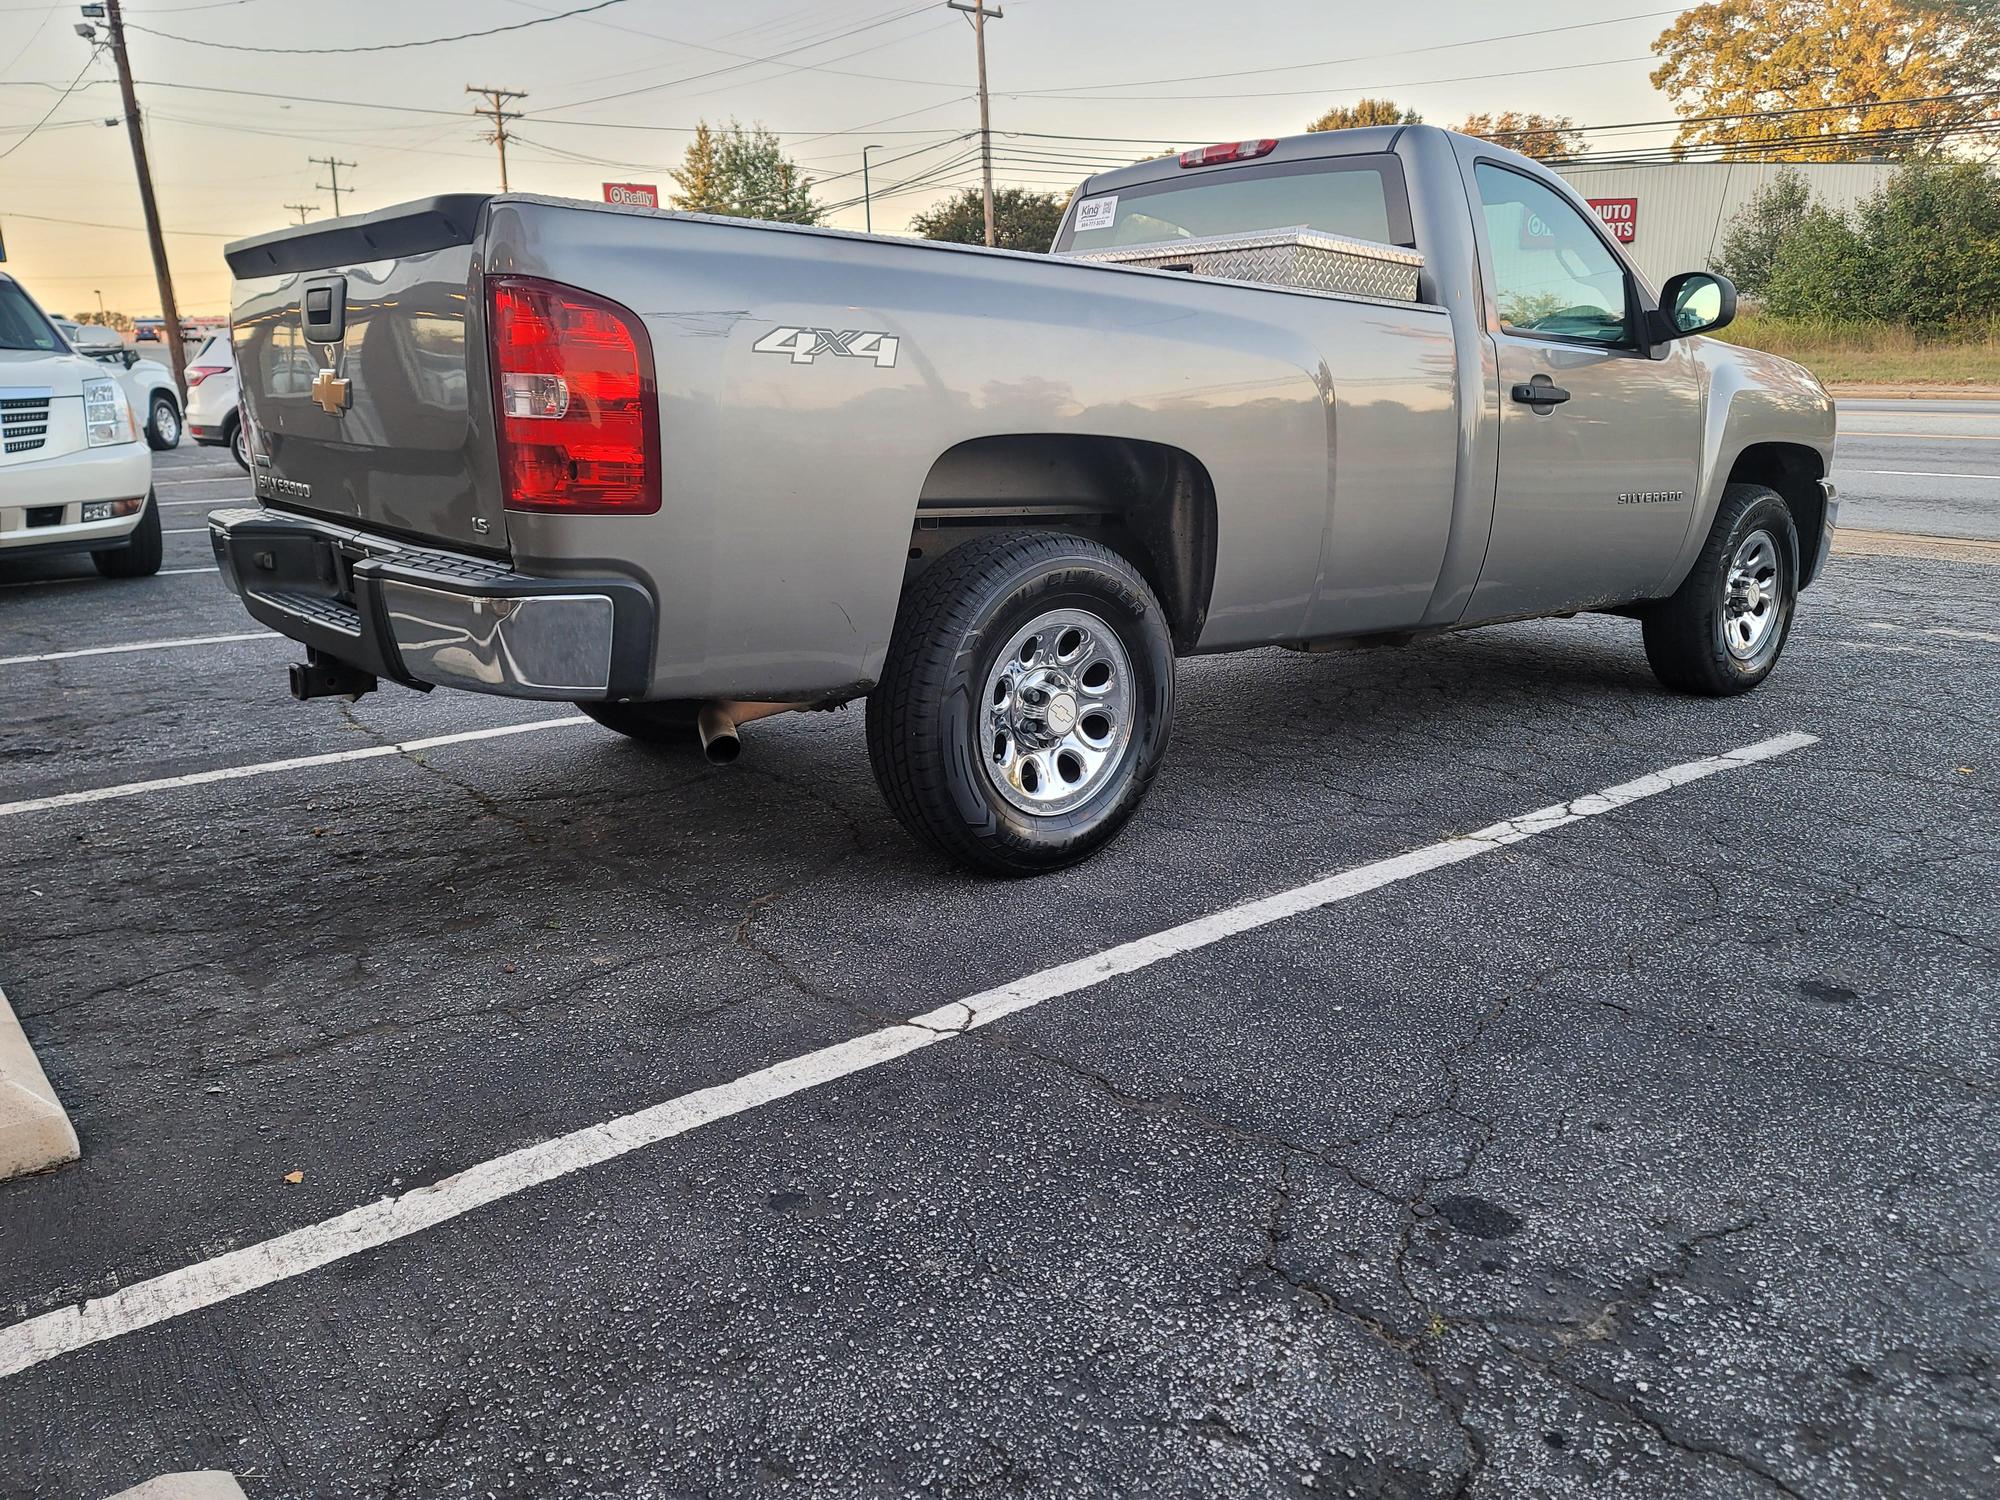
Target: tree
(743,173)
(1365,112)
(1923,252)
(1774,212)
(1021,220)
(1539,136)
(112,319)
(1853,68)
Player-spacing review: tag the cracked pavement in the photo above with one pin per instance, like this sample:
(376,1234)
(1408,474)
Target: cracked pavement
(1652,1156)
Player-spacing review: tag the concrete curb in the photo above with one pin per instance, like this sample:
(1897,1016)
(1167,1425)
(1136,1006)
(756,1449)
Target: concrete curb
(35,1133)
(199,1484)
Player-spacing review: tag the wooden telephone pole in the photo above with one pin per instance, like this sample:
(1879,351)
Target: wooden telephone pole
(979,13)
(333,164)
(496,110)
(303,210)
(170,312)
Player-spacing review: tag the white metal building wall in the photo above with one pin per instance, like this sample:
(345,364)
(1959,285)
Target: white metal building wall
(1685,208)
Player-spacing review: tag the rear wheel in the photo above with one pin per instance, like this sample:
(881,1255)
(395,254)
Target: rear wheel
(239,445)
(668,723)
(140,556)
(163,425)
(1725,627)
(1026,702)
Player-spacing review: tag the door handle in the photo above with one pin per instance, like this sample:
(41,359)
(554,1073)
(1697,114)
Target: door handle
(1540,392)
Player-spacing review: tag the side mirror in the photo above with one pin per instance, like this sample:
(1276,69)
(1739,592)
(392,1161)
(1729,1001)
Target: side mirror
(1694,302)
(130,356)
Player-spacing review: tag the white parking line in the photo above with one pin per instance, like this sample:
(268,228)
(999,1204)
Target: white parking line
(1952,631)
(220,476)
(272,767)
(237,1272)
(1926,474)
(187,531)
(131,646)
(1928,437)
(218,501)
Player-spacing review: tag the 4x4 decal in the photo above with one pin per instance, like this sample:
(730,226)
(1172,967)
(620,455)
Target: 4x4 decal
(804,345)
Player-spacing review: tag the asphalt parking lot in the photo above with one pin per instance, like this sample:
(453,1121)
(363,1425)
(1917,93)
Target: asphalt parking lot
(1644,1147)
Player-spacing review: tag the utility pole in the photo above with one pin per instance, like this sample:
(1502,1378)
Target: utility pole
(170,312)
(867,208)
(496,110)
(978,11)
(303,210)
(333,164)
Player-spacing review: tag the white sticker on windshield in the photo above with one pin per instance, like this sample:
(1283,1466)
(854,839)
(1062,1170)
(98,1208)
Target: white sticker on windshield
(1096,213)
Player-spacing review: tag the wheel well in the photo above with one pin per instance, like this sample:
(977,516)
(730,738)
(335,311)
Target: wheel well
(161,390)
(1152,502)
(1794,472)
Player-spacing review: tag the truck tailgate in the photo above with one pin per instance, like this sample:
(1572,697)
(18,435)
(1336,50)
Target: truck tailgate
(360,355)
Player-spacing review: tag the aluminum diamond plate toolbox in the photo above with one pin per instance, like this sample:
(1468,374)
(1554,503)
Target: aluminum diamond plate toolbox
(1310,260)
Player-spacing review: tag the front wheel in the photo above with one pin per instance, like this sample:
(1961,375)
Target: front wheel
(163,425)
(1026,702)
(141,554)
(1725,627)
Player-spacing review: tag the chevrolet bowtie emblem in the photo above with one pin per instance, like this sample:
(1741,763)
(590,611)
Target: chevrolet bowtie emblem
(331,392)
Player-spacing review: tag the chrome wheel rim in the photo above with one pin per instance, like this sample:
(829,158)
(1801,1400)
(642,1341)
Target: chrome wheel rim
(1056,717)
(1751,597)
(167,423)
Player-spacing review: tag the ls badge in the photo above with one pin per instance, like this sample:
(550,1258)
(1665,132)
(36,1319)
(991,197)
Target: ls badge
(804,345)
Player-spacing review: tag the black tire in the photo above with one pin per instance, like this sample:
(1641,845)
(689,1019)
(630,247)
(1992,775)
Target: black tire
(140,556)
(670,723)
(1693,642)
(163,424)
(239,444)
(928,718)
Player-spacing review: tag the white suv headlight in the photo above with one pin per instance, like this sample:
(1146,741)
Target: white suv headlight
(107,415)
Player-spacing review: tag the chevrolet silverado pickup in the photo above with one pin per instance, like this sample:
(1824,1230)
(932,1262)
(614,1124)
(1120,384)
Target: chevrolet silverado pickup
(1364,387)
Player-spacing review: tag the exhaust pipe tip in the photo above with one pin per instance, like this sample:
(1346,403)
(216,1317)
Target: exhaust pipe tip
(719,740)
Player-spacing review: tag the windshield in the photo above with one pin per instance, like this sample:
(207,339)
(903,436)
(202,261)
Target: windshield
(21,325)
(1358,196)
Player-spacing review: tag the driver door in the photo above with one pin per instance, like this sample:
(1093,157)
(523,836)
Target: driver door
(1600,443)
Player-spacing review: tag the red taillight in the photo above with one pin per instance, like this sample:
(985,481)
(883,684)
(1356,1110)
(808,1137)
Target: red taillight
(1208,156)
(198,373)
(573,392)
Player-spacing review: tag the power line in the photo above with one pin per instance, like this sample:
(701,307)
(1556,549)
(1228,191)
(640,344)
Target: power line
(433,41)
(32,129)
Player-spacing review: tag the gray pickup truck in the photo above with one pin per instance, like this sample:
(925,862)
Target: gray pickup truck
(686,472)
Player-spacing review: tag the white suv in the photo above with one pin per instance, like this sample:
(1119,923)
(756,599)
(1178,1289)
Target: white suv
(212,417)
(149,385)
(75,475)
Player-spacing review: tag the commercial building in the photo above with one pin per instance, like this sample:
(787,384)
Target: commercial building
(1674,216)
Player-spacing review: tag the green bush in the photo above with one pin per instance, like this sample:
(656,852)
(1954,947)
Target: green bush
(1923,252)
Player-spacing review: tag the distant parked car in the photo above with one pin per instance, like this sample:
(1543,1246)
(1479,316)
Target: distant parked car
(212,414)
(74,476)
(149,385)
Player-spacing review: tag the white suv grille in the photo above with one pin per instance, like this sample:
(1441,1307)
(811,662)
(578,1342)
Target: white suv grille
(24,423)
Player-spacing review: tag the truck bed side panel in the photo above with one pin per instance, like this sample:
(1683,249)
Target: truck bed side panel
(792,482)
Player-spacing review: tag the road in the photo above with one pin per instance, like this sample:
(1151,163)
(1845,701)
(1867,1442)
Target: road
(1645,1146)
(1921,466)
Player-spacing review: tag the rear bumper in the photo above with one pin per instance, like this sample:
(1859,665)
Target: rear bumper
(420,616)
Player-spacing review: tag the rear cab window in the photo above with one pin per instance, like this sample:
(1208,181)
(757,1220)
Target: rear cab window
(1360,196)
